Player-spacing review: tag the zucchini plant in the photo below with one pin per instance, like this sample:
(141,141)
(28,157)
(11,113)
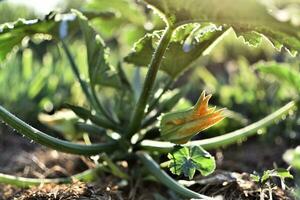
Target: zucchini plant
(141,123)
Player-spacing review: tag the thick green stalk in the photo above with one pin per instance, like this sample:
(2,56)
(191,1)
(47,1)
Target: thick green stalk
(223,140)
(165,179)
(86,176)
(139,111)
(49,141)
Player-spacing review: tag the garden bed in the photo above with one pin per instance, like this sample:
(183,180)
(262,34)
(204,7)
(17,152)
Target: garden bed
(231,179)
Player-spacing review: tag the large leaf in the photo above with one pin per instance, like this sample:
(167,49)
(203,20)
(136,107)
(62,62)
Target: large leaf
(282,72)
(249,19)
(127,9)
(54,25)
(11,34)
(186,160)
(100,71)
(128,12)
(187,44)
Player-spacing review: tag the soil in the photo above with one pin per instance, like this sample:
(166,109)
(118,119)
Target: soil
(232,181)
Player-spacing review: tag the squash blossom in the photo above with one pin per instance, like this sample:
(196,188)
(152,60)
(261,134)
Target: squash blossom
(180,127)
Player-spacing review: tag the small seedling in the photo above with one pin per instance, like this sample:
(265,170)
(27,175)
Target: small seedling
(265,180)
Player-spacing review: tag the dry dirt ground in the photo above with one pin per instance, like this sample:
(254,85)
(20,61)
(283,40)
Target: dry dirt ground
(231,180)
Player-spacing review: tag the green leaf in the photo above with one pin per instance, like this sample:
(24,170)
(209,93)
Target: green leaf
(279,172)
(187,44)
(250,19)
(129,15)
(282,72)
(255,178)
(282,173)
(186,160)
(100,71)
(79,111)
(88,115)
(127,9)
(53,25)
(11,34)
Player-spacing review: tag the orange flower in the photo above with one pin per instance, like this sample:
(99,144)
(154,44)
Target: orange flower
(180,127)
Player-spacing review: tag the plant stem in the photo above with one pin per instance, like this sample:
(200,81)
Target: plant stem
(89,94)
(165,179)
(86,176)
(76,72)
(123,77)
(96,119)
(156,100)
(92,129)
(52,142)
(139,111)
(115,170)
(223,140)
(100,107)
